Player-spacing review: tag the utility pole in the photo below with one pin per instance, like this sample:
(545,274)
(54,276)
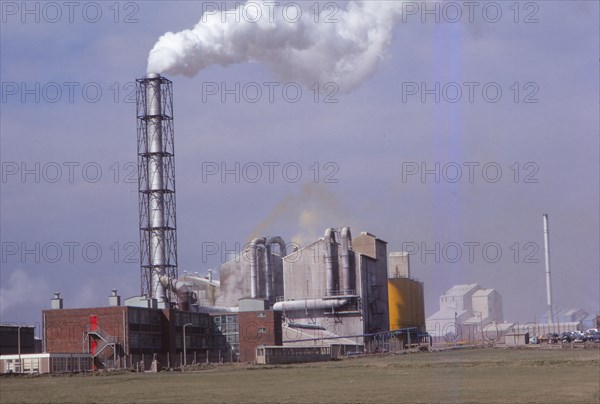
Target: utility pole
(184,346)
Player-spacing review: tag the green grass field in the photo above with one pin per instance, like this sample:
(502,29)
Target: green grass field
(465,376)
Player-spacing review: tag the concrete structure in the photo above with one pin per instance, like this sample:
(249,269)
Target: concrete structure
(335,289)
(399,265)
(465,311)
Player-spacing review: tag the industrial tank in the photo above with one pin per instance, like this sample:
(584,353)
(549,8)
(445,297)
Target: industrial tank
(406,303)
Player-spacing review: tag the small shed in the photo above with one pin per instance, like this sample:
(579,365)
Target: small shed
(517,339)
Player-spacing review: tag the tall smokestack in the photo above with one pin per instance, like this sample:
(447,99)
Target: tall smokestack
(547,258)
(156,184)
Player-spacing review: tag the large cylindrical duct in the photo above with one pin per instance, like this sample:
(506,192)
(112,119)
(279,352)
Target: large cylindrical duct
(268,272)
(254,246)
(330,252)
(310,304)
(185,296)
(155,185)
(156,182)
(269,286)
(346,237)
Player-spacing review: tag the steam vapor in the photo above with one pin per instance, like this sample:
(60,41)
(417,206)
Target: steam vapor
(311,210)
(344,47)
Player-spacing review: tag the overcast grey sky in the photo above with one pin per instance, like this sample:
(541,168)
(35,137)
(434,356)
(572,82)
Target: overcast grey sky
(523,131)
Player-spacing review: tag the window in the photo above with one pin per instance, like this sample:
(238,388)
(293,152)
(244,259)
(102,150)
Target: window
(59,365)
(262,330)
(261,315)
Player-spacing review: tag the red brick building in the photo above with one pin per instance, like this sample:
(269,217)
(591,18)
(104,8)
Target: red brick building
(262,327)
(123,336)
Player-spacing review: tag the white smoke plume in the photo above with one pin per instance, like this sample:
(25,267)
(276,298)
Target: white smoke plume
(343,46)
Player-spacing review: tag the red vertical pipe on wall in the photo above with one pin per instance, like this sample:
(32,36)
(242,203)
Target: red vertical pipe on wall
(93,323)
(93,341)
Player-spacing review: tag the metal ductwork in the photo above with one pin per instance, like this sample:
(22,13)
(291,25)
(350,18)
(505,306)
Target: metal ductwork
(310,304)
(254,246)
(185,297)
(216,309)
(330,255)
(269,264)
(346,246)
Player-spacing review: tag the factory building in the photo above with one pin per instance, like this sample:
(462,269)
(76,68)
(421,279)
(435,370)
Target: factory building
(128,336)
(330,293)
(335,290)
(465,310)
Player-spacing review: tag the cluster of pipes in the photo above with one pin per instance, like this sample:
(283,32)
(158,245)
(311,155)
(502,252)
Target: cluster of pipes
(257,244)
(330,302)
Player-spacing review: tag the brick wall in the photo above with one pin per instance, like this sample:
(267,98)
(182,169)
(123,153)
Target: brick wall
(64,329)
(148,332)
(258,328)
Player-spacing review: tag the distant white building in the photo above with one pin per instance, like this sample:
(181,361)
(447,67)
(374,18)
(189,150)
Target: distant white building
(464,311)
(566,316)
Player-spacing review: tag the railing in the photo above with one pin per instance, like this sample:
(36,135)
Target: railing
(103,340)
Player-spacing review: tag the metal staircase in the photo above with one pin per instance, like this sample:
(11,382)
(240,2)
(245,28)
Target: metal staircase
(98,342)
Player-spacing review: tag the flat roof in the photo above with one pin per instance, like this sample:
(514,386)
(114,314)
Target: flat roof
(47,355)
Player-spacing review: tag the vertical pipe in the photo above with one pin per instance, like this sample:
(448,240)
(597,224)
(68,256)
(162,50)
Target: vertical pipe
(329,249)
(124,341)
(44,333)
(155,184)
(346,243)
(19,349)
(547,258)
(268,273)
(254,245)
(269,263)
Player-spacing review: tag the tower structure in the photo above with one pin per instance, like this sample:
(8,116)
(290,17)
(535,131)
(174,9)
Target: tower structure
(156,185)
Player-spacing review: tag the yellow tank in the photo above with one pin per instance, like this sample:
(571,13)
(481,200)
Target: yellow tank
(406,303)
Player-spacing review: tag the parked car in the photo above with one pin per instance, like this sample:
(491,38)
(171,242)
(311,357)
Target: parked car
(534,340)
(567,336)
(595,337)
(552,338)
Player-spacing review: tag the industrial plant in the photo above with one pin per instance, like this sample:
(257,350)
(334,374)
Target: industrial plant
(335,295)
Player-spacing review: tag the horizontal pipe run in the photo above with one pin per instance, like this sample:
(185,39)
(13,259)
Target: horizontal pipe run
(310,304)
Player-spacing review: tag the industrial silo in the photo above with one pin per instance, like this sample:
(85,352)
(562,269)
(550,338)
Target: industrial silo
(405,295)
